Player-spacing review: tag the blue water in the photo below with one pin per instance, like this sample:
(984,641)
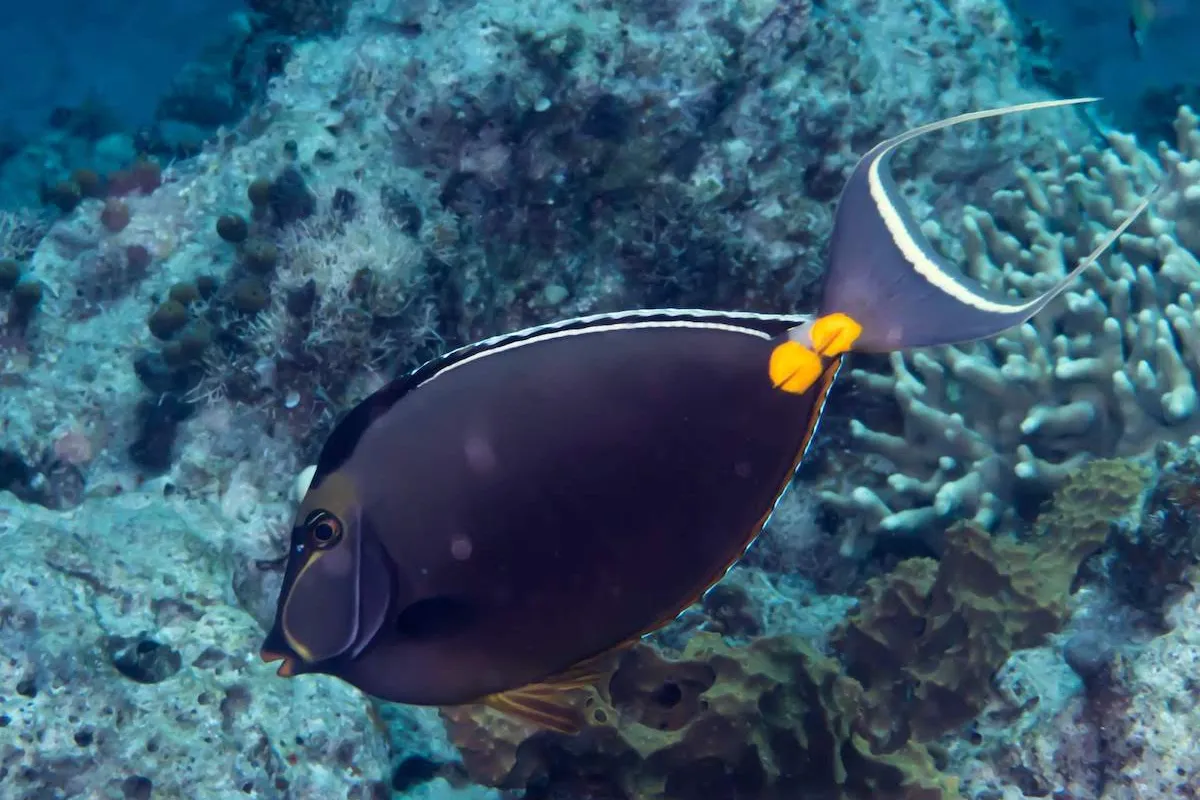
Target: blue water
(61,54)
(1096,48)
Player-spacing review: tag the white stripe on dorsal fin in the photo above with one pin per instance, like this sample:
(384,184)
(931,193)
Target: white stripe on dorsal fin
(766,326)
(769,324)
(342,441)
(773,324)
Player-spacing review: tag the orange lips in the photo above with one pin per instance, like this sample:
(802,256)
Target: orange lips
(287,669)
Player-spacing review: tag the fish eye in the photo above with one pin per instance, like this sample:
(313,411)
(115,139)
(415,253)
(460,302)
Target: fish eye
(324,529)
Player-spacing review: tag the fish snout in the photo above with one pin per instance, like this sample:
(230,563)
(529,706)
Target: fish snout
(287,669)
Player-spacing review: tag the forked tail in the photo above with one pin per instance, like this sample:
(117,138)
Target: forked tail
(885,277)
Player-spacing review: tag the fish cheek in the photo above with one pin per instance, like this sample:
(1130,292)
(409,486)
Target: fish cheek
(321,614)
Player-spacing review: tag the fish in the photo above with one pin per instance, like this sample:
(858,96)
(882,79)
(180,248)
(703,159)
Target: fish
(497,524)
(1141,14)
(1144,14)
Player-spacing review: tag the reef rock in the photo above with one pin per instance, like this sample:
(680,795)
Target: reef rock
(130,671)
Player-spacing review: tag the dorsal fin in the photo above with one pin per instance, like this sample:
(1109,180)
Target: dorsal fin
(346,434)
(770,325)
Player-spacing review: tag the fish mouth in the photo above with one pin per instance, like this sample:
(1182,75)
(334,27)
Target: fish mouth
(287,669)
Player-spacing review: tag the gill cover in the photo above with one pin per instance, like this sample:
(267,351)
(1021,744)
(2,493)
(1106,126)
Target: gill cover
(338,587)
(884,274)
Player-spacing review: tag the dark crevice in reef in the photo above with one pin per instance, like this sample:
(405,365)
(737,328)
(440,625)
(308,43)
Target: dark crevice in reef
(144,660)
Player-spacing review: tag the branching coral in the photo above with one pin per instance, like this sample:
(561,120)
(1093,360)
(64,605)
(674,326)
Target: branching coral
(988,430)
(20,232)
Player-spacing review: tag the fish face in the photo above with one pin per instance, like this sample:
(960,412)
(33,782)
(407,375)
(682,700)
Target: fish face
(337,587)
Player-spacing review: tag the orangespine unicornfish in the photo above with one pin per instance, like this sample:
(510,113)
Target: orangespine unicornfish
(493,525)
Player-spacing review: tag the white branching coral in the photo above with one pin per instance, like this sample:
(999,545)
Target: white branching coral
(1110,368)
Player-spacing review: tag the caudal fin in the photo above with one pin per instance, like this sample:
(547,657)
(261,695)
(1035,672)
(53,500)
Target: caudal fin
(885,276)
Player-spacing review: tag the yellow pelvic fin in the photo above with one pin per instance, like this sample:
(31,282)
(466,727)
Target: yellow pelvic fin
(545,706)
(834,334)
(557,702)
(270,656)
(794,368)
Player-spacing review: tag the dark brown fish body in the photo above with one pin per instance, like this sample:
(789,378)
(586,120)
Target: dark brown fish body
(488,526)
(570,493)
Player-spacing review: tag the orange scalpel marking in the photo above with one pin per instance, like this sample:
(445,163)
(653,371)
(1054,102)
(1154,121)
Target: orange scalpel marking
(834,334)
(794,368)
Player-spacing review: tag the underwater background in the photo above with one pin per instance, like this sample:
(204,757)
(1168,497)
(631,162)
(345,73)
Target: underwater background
(223,224)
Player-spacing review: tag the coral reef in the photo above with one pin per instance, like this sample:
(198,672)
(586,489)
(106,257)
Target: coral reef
(1150,720)
(766,721)
(337,190)
(1087,714)
(932,633)
(1123,733)
(1148,564)
(429,171)
(303,16)
(343,296)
